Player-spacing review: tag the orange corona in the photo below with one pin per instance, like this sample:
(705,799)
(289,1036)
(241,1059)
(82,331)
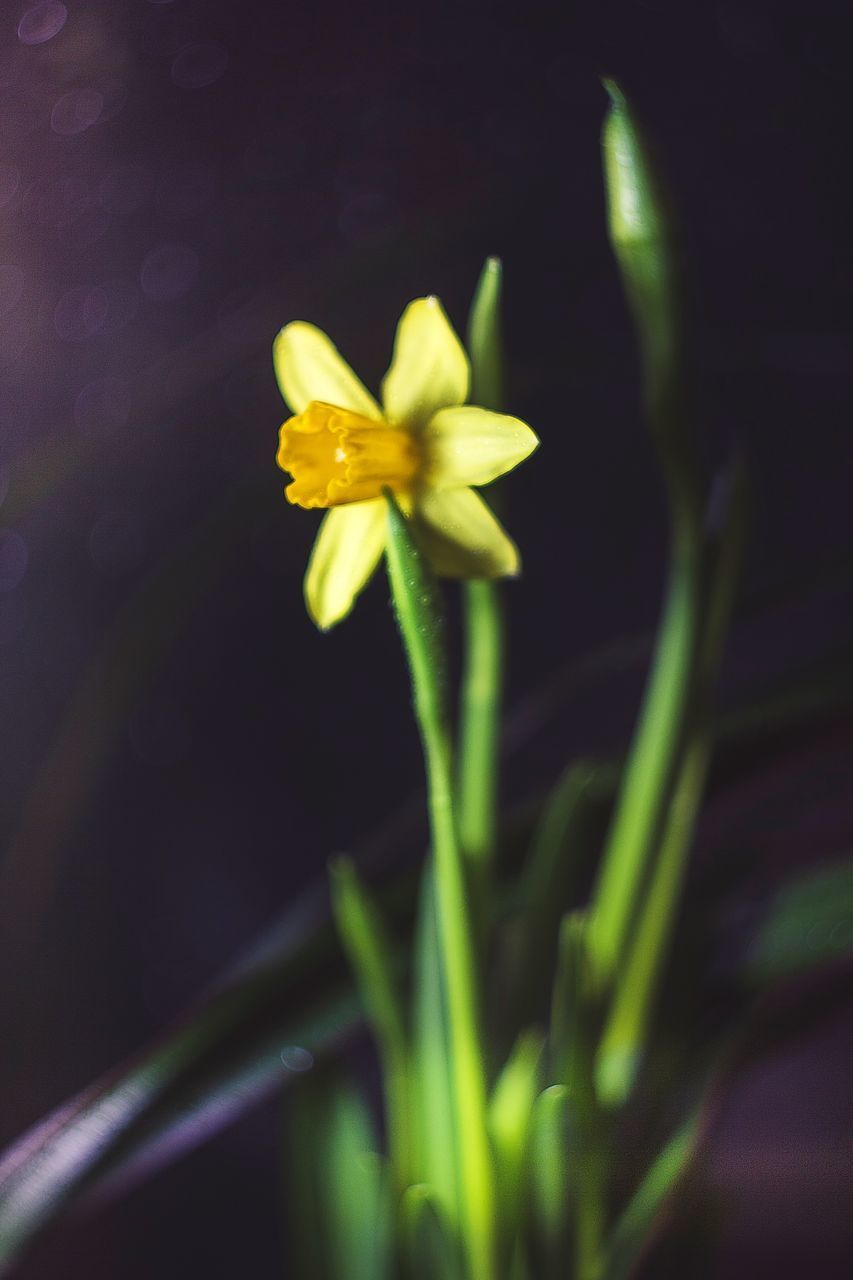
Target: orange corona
(336,457)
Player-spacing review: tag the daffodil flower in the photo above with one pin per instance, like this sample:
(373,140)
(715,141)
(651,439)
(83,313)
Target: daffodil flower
(424,444)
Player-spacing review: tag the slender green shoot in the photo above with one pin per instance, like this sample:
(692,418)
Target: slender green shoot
(631,1231)
(432,1081)
(549,1163)
(371,958)
(572,1058)
(510,1115)
(429,1244)
(645,244)
(626,1031)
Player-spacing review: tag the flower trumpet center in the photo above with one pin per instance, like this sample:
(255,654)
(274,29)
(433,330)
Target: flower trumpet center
(336,456)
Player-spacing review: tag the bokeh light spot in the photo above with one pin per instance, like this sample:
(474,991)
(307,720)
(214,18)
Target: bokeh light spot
(13,559)
(169,271)
(198,65)
(42,22)
(76,111)
(295,1058)
(80,314)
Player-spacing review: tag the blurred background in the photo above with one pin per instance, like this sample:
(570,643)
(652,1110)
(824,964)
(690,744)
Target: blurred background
(181,751)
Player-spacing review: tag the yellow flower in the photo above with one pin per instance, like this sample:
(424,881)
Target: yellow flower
(425,444)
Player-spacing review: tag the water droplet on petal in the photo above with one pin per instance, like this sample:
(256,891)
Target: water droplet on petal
(42,22)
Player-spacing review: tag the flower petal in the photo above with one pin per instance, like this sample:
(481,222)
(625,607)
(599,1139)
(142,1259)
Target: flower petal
(346,552)
(309,367)
(467,445)
(429,369)
(461,537)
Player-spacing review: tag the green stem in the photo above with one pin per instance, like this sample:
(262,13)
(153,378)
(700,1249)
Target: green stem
(480,722)
(420,628)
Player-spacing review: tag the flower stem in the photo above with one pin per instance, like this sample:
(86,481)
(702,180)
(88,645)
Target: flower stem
(420,627)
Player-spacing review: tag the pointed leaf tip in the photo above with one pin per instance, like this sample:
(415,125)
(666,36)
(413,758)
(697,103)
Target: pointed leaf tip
(614,92)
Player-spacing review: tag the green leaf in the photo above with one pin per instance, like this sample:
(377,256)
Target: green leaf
(570,1038)
(436,1133)
(645,242)
(510,1116)
(485,339)
(627,1028)
(633,1227)
(569,830)
(549,1179)
(483,620)
(808,924)
(340,1216)
(430,1247)
(241,1040)
(256,1031)
(375,965)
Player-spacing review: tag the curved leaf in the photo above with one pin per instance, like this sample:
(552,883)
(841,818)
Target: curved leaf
(264,1023)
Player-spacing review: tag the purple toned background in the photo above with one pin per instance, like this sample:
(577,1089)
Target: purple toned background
(181,752)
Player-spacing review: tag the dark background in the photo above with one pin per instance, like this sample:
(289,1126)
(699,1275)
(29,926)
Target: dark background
(181,750)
